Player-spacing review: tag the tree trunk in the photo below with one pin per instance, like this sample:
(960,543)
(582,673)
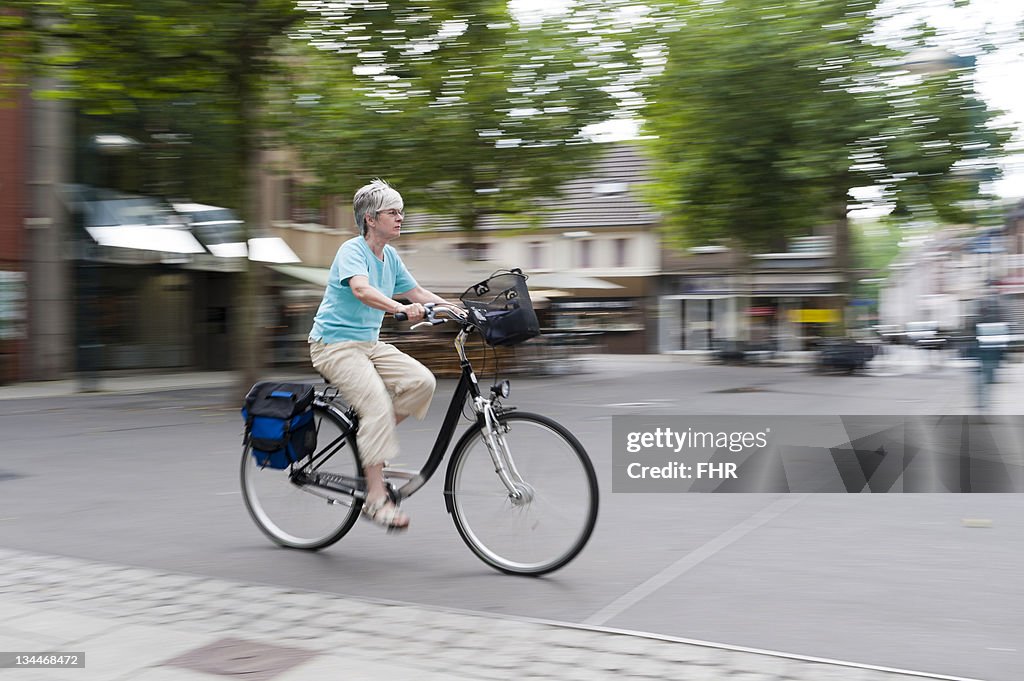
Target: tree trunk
(249,329)
(743,274)
(843,260)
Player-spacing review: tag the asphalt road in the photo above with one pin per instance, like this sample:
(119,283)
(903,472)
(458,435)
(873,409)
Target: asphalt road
(893,580)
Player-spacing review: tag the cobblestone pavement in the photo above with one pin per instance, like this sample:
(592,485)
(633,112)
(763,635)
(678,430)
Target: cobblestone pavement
(141,624)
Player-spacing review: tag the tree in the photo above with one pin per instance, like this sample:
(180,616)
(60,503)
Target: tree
(767,116)
(470,110)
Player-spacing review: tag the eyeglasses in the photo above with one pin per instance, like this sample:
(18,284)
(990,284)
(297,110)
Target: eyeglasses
(391,212)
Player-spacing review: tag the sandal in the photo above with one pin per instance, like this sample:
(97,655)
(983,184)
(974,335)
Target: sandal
(386,514)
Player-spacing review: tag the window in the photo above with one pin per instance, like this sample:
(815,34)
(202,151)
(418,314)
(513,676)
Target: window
(621,252)
(584,253)
(280,198)
(535,255)
(473,250)
(303,205)
(608,188)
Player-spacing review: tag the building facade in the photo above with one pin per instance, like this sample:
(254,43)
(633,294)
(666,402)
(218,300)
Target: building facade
(774,301)
(599,265)
(13,255)
(944,277)
(592,254)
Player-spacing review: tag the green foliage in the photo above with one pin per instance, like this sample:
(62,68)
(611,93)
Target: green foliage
(116,55)
(876,243)
(768,114)
(158,69)
(943,144)
(466,110)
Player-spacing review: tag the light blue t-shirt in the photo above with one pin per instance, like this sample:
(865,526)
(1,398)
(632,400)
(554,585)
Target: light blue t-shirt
(342,317)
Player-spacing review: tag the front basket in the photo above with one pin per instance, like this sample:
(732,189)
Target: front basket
(500,307)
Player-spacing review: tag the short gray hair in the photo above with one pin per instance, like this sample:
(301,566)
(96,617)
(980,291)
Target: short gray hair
(373,198)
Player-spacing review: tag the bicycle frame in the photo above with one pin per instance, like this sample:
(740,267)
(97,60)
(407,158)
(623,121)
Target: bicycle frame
(467,386)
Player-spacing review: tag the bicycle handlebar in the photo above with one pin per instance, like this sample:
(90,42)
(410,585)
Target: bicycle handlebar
(433,309)
(402,317)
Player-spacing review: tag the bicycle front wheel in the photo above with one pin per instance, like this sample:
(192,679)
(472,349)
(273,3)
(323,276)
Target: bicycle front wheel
(548,518)
(289,509)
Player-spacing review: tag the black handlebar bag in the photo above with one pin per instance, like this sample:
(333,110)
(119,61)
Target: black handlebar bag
(279,426)
(500,307)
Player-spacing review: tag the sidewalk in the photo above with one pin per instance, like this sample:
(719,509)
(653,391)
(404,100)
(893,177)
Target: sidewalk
(135,624)
(138,383)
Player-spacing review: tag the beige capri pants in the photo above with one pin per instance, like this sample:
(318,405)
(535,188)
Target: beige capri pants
(380,382)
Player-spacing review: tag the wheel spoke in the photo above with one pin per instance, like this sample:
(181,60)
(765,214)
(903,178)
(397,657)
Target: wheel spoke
(542,533)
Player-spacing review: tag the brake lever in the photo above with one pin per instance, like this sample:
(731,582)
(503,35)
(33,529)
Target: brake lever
(429,322)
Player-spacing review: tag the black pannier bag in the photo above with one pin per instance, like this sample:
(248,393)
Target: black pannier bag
(501,308)
(279,424)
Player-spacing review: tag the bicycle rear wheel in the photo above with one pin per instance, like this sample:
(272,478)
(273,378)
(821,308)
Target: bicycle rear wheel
(294,513)
(554,516)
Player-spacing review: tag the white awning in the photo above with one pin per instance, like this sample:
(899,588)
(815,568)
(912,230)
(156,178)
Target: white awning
(237,249)
(548,293)
(146,238)
(313,275)
(220,230)
(271,249)
(566,280)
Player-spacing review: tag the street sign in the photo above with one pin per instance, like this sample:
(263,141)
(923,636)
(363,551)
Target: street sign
(813,316)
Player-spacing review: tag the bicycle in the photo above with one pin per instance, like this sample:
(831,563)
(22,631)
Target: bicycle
(519,486)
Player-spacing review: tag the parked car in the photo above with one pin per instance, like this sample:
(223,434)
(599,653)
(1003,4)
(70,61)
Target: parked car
(925,335)
(843,354)
(892,334)
(740,352)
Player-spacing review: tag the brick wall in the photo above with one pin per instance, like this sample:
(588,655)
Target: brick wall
(13,210)
(12,185)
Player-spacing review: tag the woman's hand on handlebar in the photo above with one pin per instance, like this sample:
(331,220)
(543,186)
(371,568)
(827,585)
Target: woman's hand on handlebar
(435,313)
(413,312)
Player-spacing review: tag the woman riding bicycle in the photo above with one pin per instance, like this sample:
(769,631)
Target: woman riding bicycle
(382,383)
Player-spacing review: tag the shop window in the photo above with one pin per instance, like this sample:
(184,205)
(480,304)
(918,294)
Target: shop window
(621,252)
(13,315)
(535,257)
(584,253)
(597,315)
(279,199)
(292,312)
(473,250)
(304,206)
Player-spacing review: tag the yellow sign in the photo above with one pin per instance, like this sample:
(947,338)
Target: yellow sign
(814,316)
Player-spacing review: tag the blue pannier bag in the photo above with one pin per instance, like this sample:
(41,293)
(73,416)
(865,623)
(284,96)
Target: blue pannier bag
(279,425)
